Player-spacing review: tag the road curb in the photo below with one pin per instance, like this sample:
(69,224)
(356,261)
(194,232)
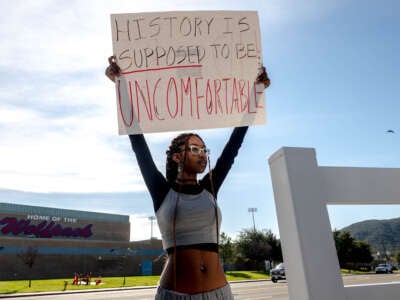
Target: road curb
(18,295)
(21,295)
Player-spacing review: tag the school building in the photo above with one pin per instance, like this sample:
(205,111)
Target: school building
(43,242)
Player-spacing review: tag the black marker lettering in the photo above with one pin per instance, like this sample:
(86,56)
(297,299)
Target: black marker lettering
(209,24)
(227,19)
(181,52)
(182,25)
(225,51)
(148,53)
(171,56)
(197,23)
(123,57)
(215,48)
(155,23)
(118,30)
(137,21)
(251,50)
(160,52)
(245,26)
(170,24)
(141,58)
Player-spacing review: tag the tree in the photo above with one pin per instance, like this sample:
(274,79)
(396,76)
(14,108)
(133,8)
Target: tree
(28,257)
(275,243)
(349,251)
(226,248)
(344,245)
(361,252)
(258,246)
(397,257)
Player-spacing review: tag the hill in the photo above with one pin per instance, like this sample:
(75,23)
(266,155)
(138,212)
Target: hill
(382,235)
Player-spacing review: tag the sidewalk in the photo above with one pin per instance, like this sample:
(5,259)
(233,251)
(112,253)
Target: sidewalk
(18,295)
(21,295)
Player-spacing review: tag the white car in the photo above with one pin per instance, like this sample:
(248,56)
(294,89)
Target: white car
(384,268)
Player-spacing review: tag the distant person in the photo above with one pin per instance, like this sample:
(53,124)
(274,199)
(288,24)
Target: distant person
(186,209)
(88,278)
(98,280)
(76,279)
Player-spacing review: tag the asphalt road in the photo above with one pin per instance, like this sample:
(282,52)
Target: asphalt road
(254,290)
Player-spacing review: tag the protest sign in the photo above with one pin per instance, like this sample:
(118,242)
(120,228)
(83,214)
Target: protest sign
(187,70)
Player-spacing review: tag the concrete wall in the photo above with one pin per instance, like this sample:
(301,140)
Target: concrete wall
(62,258)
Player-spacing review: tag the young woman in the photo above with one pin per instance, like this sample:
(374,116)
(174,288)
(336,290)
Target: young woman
(186,209)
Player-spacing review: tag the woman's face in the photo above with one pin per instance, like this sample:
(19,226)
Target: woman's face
(195,156)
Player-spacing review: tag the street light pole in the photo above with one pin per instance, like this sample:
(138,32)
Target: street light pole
(252,210)
(151,218)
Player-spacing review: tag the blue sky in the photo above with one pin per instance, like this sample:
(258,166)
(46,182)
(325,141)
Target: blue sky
(335,71)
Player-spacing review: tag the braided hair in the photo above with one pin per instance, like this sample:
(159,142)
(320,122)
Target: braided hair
(171,167)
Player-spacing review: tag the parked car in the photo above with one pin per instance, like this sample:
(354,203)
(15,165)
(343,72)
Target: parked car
(278,273)
(384,268)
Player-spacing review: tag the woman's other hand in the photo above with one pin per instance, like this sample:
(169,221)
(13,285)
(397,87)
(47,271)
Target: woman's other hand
(263,77)
(113,70)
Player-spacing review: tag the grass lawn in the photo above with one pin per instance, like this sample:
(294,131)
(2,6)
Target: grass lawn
(47,285)
(355,272)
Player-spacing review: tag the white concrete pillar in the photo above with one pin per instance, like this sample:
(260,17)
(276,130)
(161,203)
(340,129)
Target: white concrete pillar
(302,190)
(309,252)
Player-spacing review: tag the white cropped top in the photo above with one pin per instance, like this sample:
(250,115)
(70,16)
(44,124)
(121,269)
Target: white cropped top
(195,220)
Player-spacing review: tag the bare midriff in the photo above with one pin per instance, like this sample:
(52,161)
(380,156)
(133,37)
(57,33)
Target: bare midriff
(193,271)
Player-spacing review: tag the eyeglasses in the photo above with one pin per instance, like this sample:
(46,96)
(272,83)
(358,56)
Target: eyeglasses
(196,150)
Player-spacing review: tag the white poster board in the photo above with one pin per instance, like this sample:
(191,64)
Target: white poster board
(187,70)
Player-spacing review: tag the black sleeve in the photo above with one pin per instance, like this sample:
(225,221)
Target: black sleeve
(225,161)
(155,181)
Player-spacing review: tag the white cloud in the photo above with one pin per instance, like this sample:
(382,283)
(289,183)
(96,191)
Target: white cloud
(12,115)
(62,154)
(57,163)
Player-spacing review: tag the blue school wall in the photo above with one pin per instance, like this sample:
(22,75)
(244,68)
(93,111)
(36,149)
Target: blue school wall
(68,241)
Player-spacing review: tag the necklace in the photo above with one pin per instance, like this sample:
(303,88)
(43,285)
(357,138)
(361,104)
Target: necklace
(181,180)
